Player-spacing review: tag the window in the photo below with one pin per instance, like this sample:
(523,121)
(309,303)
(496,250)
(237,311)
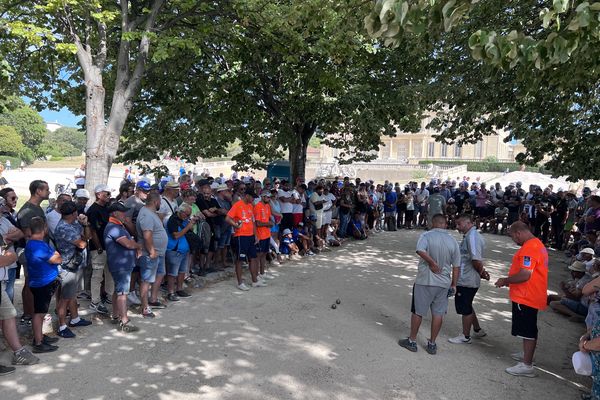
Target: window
(458,151)
(431,149)
(444,151)
(417,149)
(384,151)
(479,149)
(402,152)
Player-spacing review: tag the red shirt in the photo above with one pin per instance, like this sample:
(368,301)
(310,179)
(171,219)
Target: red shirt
(262,213)
(243,212)
(532,256)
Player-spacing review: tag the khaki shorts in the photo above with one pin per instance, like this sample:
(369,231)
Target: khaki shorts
(7,310)
(98,260)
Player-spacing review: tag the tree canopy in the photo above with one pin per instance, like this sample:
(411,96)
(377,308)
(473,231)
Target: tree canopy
(28,124)
(273,75)
(529,67)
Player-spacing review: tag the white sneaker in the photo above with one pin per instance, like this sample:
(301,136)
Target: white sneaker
(268,275)
(522,369)
(259,283)
(479,334)
(518,356)
(260,277)
(134,299)
(460,339)
(242,286)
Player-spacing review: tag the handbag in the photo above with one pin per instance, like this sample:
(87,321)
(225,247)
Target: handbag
(75,262)
(194,241)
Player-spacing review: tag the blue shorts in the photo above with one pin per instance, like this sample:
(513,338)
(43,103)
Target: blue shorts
(243,247)
(122,279)
(224,238)
(177,263)
(263,246)
(575,306)
(149,268)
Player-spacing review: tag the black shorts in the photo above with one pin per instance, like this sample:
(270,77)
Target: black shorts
(463,301)
(287,222)
(263,246)
(524,321)
(42,296)
(243,247)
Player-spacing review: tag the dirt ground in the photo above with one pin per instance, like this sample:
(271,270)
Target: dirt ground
(286,342)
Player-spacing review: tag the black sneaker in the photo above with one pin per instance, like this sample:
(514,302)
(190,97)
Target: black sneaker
(157,304)
(408,344)
(431,348)
(183,293)
(171,297)
(44,348)
(6,370)
(47,340)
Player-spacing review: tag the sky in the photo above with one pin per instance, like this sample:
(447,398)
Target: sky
(63,117)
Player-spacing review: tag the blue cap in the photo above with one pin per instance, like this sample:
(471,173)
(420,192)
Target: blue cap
(143,185)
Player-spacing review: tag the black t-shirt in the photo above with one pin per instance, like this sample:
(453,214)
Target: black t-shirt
(513,202)
(205,205)
(561,208)
(98,219)
(460,197)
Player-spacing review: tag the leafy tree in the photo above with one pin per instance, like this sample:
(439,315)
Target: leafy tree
(10,141)
(274,75)
(92,57)
(26,121)
(530,67)
(72,137)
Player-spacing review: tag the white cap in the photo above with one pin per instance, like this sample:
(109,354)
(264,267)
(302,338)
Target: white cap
(82,194)
(214,185)
(102,188)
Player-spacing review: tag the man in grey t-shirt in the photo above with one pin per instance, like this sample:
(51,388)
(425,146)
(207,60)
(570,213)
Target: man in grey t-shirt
(471,272)
(152,236)
(438,272)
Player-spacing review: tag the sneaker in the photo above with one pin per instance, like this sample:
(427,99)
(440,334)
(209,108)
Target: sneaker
(107,300)
(66,333)
(81,322)
(6,370)
(408,344)
(157,304)
(521,369)
(100,308)
(431,348)
(268,275)
(44,348)
(24,357)
(84,296)
(172,297)
(460,339)
(147,313)
(260,277)
(242,286)
(479,334)
(183,294)
(310,253)
(127,327)
(114,320)
(259,283)
(49,339)
(134,299)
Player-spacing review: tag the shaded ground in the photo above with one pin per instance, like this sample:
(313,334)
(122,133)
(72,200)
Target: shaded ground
(285,341)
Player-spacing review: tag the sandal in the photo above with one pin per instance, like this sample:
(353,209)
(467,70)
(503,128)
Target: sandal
(128,327)
(114,320)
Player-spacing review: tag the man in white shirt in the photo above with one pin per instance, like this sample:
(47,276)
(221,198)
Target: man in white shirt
(286,200)
(54,216)
(422,195)
(80,177)
(168,202)
(298,203)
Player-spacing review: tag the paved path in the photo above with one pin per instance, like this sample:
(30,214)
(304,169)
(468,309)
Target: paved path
(285,341)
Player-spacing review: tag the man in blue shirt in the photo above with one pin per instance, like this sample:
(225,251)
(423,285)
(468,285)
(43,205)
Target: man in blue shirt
(389,208)
(42,272)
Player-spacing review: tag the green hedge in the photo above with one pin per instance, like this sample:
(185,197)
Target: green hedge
(485,166)
(15,162)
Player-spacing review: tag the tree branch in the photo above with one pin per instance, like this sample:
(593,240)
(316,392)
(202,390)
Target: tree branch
(124,47)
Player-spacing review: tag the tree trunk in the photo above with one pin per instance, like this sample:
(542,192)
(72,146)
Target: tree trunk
(297,150)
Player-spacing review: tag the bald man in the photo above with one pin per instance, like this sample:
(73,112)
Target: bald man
(528,284)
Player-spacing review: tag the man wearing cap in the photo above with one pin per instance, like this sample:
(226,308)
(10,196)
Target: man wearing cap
(135,203)
(262,216)
(223,198)
(209,206)
(178,248)
(572,303)
(286,199)
(122,251)
(168,202)
(81,198)
(71,235)
(241,218)
(98,218)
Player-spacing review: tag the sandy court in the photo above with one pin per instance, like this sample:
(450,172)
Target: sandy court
(285,341)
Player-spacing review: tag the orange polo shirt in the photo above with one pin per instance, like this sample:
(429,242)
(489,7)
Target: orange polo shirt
(532,256)
(262,213)
(243,212)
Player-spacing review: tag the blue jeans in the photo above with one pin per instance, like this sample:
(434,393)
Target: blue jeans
(344,220)
(177,263)
(10,284)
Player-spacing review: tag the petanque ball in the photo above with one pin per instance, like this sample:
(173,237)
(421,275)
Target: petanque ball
(333,306)
(338,301)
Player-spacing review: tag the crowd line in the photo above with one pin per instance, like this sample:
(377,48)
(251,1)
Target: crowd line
(154,237)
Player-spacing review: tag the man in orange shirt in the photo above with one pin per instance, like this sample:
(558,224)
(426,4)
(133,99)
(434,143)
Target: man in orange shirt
(528,283)
(262,215)
(244,241)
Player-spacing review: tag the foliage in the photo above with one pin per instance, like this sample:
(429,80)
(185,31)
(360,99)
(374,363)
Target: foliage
(27,122)
(10,141)
(486,165)
(273,75)
(64,142)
